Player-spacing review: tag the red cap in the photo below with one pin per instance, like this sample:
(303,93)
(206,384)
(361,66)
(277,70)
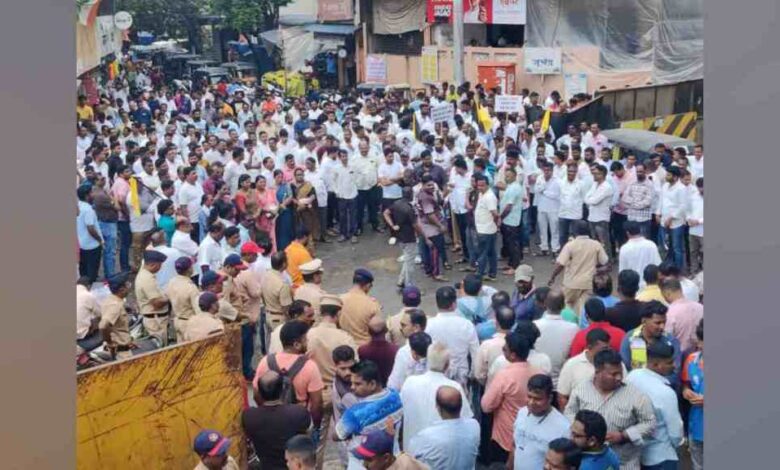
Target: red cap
(250,247)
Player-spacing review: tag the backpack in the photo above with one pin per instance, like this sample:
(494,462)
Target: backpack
(288,390)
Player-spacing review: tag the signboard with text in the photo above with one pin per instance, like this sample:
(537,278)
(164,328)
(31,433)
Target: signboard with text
(429,63)
(376,69)
(334,10)
(574,84)
(442,112)
(542,60)
(479,11)
(508,103)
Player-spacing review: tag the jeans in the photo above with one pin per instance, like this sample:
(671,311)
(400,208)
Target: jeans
(367,200)
(195,233)
(323,216)
(616,224)
(91,341)
(600,231)
(696,449)
(407,268)
(89,263)
(333,210)
(526,222)
(511,240)
(248,349)
(564,230)
(673,240)
(646,229)
(486,259)
(433,257)
(697,253)
(125,239)
(109,231)
(347,220)
(548,225)
(462,221)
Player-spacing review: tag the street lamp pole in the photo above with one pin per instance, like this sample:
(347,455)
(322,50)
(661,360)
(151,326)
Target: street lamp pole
(457,38)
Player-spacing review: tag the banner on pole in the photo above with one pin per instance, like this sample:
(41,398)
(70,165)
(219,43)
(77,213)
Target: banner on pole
(429,62)
(479,11)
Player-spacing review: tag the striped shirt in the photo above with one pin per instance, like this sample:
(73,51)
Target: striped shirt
(625,410)
(638,200)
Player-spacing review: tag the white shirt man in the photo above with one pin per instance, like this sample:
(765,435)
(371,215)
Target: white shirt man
(390,171)
(233,170)
(418,395)
(487,204)
(210,254)
(636,254)
(572,199)
(599,201)
(184,243)
(460,337)
(555,340)
(547,200)
(673,203)
(87,309)
(696,212)
(190,196)
(596,142)
(344,182)
(489,350)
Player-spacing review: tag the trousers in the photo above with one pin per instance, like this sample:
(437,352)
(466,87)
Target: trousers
(347,220)
(109,232)
(407,267)
(89,263)
(548,229)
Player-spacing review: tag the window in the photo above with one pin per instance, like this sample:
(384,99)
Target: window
(410,43)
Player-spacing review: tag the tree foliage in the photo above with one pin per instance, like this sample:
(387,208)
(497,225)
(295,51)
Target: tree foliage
(248,15)
(172,18)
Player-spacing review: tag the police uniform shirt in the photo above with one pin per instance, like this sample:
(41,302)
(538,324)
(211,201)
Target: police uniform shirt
(202,325)
(146,289)
(184,295)
(277,295)
(358,309)
(114,314)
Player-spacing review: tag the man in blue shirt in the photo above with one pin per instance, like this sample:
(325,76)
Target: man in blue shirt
(451,443)
(693,391)
(660,451)
(89,236)
(523,297)
(633,350)
(602,290)
(588,431)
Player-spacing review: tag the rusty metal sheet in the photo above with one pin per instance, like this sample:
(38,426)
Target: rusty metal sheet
(144,412)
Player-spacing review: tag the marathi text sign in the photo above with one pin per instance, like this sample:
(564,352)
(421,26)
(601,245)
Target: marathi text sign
(574,84)
(442,112)
(542,60)
(429,63)
(334,10)
(508,103)
(479,11)
(376,69)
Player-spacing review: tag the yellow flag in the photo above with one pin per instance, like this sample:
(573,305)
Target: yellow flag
(134,197)
(414,124)
(546,121)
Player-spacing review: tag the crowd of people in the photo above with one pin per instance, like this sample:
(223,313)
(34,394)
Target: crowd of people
(206,207)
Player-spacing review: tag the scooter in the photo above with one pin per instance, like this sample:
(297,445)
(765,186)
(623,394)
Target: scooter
(99,355)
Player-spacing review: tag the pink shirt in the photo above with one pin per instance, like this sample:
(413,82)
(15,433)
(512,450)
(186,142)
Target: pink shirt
(505,395)
(682,318)
(119,190)
(622,185)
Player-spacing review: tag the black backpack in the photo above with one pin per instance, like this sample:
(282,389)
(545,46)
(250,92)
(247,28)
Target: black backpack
(288,390)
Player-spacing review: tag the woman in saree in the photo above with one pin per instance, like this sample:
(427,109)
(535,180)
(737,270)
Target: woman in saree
(267,209)
(307,208)
(245,198)
(285,220)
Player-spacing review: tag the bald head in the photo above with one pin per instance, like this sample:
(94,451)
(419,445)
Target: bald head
(270,386)
(449,402)
(377,327)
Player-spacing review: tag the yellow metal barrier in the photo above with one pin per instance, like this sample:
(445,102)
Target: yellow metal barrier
(144,412)
(679,125)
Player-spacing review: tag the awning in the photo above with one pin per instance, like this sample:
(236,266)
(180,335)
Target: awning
(336,29)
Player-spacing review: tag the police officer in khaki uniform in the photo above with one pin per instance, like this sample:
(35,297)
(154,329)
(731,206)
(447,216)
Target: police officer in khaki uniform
(324,338)
(184,295)
(410,298)
(114,323)
(213,282)
(276,293)
(358,307)
(311,290)
(205,322)
(231,268)
(152,303)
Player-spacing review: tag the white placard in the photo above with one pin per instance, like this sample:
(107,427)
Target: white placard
(442,112)
(508,103)
(376,69)
(123,20)
(542,60)
(574,83)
